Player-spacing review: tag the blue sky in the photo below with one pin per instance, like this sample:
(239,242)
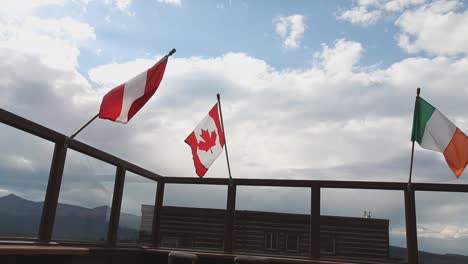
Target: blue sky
(310,90)
(211,28)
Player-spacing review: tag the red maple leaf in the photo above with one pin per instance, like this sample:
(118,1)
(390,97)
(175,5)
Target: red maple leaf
(209,140)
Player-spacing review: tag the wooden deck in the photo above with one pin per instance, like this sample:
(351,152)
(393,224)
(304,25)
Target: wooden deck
(83,254)
(42,250)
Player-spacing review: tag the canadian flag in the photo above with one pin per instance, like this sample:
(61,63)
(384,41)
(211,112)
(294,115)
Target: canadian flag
(206,141)
(123,102)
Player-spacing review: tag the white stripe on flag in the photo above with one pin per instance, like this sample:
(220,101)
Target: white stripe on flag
(438,133)
(134,89)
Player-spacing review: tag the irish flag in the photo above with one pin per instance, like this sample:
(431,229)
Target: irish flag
(432,130)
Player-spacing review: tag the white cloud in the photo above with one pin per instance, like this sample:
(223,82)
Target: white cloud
(171,2)
(437,230)
(437,28)
(26,6)
(360,15)
(47,50)
(367,2)
(368,12)
(113,74)
(399,5)
(444,231)
(56,40)
(18,162)
(64,28)
(123,4)
(290,29)
(341,58)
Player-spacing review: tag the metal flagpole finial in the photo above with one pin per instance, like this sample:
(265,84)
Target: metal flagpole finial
(418,91)
(171,52)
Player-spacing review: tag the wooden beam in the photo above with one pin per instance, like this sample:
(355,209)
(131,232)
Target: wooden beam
(157,214)
(436,187)
(33,128)
(315,222)
(52,194)
(369,185)
(411,228)
(229,218)
(111,159)
(30,127)
(112,232)
(21,250)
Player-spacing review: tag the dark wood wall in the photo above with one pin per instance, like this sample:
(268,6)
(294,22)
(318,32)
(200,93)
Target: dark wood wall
(198,228)
(193,228)
(362,237)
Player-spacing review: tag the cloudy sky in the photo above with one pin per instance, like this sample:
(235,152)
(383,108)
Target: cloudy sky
(310,90)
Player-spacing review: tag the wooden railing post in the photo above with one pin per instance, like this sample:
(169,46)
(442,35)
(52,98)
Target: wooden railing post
(315,222)
(229,218)
(157,214)
(53,189)
(411,228)
(116,205)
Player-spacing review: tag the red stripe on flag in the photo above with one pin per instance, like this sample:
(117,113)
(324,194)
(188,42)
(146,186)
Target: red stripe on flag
(214,113)
(153,78)
(191,140)
(111,104)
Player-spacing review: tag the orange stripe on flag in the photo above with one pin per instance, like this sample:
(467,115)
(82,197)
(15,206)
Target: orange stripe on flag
(456,153)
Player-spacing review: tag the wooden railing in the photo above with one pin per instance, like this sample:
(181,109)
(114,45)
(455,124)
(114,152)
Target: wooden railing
(62,143)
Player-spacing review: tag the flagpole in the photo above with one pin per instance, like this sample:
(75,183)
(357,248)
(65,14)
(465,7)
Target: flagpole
(96,116)
(83,127)
(418,91)
(224,135)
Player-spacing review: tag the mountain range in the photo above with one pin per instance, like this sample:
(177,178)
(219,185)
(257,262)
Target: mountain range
(21,218)
(430,258)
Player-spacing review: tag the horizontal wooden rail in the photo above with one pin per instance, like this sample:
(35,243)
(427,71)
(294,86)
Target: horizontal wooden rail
(367,185)
(108,158)
(438,187)
(30,127)
(42,250)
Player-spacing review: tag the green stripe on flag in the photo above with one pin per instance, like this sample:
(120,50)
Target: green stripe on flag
(422,112)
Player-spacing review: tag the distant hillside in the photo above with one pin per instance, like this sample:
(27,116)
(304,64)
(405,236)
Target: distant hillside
(430,258)
(21,218)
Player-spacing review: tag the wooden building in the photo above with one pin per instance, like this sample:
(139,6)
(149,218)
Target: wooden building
(268,233)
